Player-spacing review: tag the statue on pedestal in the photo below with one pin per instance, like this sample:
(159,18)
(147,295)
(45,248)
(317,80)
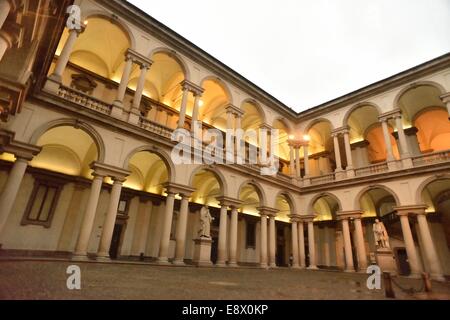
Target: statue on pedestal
(205,223)
(381,235)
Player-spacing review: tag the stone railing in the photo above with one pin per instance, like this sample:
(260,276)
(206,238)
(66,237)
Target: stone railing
(323,179)
(431,158)
(155,128)
(83,99)
(374,169)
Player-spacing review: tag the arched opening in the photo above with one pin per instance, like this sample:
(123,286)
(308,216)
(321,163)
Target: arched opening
(326,208)
(436,195)
(377,202)
(425,119)
(377,151)
(208,187)
(214,100)
(66,150)
(97,59)
(252,120)
(284,206)
(250,195)
(148,173)
(282,150)
(321,148)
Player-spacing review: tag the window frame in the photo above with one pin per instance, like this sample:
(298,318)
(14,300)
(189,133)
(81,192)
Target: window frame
(38,183)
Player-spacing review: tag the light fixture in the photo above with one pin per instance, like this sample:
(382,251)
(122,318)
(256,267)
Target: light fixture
(306,137)
(85,22)
(291,137)
(201,103)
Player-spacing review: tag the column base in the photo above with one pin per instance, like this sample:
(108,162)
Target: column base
(163,261)
(232,265)
(312,268)
(350,270)
(350,173)
(273,266)
(264,266)
(407,162)
(117,109)
(296,267)
(179,263)
(80,257)
(103,258)
(438,277)
(134,117)
(52,84)
(340,174)
(221,264)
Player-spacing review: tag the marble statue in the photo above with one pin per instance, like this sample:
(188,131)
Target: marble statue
(380,234)
(205,223)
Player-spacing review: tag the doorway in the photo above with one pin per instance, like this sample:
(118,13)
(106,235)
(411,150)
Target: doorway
(402,262)
(115,241)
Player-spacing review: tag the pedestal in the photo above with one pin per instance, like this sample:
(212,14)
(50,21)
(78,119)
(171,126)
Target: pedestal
(385,260)
(202,252)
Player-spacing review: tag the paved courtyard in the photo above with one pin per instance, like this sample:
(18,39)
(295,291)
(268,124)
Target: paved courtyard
(21,279)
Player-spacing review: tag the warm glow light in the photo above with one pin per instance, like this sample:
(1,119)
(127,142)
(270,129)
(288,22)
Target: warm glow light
(86,22)
(306,137)
(291,137)
(201,103)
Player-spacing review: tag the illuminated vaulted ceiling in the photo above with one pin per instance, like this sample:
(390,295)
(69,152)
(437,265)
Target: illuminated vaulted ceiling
(100,48)
(377,202)
(284,207)
(148,173)
(66,150)
(360,120)
(320,137)
(207,188)
(215,99)
(251,200)
(432,193)
(325,208)
(377,146)
(417,99)
(283,137)
(433,130)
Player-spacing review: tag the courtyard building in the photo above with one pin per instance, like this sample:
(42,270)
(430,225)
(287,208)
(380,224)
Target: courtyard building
(88,104)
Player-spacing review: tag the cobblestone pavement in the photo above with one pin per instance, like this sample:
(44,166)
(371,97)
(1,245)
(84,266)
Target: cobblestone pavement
(23,279)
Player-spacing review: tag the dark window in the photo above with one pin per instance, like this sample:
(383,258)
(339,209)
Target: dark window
(123,207)
(42,204)
(250,234)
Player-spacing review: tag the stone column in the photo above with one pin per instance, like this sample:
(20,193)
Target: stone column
(124,82)
(230,120)
(263,260)
(446,100)
(349,267)
(337,153)
(88,218)
(183,108)
(222,246)
(142,245)
(401,136)
(387,140)
(297,162)
(64,57)
(140,88)
(292,160)
(360,245)
(311,245)
(233,237)
(409,244)
(110,219)
(348,150)
(195,111)
(181,231)
(432,258)
(11,189)
(238,122)
(306,159)
(5,9)
(272,241)
(295,244)
(301,244)
(167,226)
(5,43)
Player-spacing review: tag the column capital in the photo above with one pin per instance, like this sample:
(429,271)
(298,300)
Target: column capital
(413,209)
(307,218)
(138,58)
(178,189)
(192,87)
(347,215)
(229,202)
(389,115)
(234,110)
(106,170)
(340,131)
(294,217)
(445,97)
(267,211)
(18,149)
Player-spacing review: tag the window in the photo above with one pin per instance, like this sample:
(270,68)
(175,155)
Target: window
(250,234)
(42,203)
(123,207)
